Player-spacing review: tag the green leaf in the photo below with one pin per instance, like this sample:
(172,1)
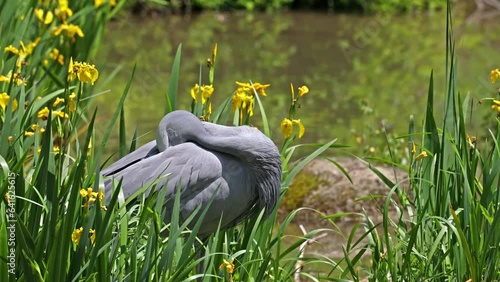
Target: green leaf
(173,82)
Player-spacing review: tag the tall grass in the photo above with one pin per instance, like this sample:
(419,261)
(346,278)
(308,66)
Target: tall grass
(446,227)
(50,162)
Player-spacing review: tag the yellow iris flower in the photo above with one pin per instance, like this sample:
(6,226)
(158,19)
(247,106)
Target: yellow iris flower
(259,88)
(23,51)
(214,53)
(88,193)
(58,101)
(495,75)
(85,72)
(243,101)
(229,265)
(496,105)
(45,18)
(287,126)
(57,56)
(16,78)
(70,30)
(92,236)
(76,235)
(72,105)
(303,90)
(422,155)
(63,12)
(61,114)
(206,92)
(91,195)
(4,101)
(43,113)
(98,3)
(11,49)
(243,97)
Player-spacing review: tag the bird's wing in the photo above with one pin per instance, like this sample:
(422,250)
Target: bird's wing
(187,166)
(143,152)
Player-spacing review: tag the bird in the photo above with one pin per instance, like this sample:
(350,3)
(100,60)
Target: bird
(234,170)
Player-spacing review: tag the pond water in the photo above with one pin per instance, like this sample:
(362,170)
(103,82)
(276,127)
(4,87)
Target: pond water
(362,71)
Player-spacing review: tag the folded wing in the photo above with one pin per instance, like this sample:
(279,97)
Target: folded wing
(141,153)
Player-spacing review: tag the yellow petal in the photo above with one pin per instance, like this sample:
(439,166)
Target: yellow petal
(14,105)
(98,3)
(72,104)
(43,113)
(11,49)
(214,53)
(494,75)
(49,17)
(206,93)
(58,101)
(61,114)
(209,109)
(422,155)
(303,90)
(302,129)
(75,236)
(39,14)
(92,236)
(83,193)
(259,88)
(71,70)
(286,127)
(100,195)
(4,100)
(195,91)
(244,85)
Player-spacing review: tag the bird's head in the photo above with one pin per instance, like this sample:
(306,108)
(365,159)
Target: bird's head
(176,128)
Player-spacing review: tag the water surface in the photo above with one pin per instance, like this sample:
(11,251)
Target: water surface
(362,70)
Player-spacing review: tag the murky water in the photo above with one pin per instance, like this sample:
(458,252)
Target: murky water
(361,70)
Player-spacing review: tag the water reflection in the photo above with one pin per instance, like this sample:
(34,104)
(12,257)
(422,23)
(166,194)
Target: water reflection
(361,70)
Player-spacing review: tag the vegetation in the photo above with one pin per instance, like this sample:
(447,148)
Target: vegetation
(446,227)
(57,228)
(377,6)
(302,185)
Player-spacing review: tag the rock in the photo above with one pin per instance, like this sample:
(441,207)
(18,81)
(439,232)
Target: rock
(334,193)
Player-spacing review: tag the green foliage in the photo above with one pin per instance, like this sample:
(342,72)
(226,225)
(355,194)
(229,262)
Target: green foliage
(50,170)
(446,225)
(378,6)
(301,186)
(262,4)
(49,181)
(391,6)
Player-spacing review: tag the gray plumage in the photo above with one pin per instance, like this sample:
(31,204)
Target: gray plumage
(237,163)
